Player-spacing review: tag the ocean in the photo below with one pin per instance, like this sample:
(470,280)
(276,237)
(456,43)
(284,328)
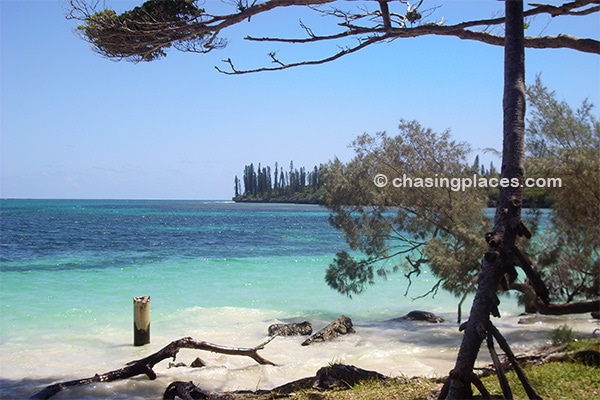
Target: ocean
(216,271)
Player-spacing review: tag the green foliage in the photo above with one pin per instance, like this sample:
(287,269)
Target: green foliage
(565,143)
(402,228)
(146,32)
(561,335)
(347,275)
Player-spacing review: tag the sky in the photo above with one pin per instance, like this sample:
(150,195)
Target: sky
(75,125)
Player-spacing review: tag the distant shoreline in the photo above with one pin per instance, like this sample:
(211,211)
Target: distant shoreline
(276,201)
(491,204)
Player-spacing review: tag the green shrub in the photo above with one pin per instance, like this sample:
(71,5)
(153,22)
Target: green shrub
(561,335)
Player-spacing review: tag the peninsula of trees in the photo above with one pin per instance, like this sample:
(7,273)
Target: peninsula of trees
(266,184)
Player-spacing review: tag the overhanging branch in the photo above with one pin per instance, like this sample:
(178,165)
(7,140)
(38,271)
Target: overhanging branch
(135,37)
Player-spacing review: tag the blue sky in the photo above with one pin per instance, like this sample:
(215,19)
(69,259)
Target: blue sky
(75,125)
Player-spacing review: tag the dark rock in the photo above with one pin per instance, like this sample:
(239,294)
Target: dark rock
(596,314)
(300,328)
(334,376)
(588,357)
(184,390)
(423,316)
(528,320)
(197,363)
(341,326)
(343,376)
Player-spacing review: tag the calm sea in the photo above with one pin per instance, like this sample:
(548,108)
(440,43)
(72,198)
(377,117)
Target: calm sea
(216,271)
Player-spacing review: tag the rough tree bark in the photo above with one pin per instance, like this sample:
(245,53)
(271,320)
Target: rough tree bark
(499,258)
(144,366)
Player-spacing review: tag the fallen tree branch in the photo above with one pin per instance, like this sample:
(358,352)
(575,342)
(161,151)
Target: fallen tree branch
(144,366)
(568,308)
(558,354)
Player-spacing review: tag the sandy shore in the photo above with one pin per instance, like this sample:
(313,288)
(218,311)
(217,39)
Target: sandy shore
(393,349)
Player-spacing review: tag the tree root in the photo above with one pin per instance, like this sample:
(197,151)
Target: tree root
(145,365)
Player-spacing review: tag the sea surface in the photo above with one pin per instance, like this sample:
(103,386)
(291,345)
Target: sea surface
(216,271)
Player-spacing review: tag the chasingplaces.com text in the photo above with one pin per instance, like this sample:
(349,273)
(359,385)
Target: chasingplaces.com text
(462,183)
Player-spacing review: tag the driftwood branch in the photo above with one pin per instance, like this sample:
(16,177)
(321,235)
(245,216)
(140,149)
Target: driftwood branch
(559,354)
(144,366)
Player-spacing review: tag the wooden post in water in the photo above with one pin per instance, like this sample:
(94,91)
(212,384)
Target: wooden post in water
(141,320)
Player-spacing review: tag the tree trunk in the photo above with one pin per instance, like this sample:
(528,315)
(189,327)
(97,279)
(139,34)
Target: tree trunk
(507,222)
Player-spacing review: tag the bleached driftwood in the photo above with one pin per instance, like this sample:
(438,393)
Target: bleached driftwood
(145,365)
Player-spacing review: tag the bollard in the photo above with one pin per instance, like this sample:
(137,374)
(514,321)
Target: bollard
(141,320)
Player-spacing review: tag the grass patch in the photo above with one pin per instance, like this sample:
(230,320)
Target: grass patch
(556,380)
(585,344)
(411,389)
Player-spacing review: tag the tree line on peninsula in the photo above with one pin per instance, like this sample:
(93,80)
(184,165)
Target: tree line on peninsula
(263,184)
(266,184)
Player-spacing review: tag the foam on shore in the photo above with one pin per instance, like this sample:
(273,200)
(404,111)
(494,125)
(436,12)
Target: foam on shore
(404,348)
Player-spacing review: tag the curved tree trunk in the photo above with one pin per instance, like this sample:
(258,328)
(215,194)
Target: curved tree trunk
(499,257)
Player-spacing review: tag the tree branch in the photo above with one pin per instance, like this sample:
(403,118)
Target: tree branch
(529,389)
(568,308)
(340,54)
(538,284)
(145,365)
(147,39)
(506,391)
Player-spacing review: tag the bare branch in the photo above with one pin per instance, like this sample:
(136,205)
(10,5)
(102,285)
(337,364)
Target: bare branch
(350,50)
(433,291)
(416,269)
(564,9)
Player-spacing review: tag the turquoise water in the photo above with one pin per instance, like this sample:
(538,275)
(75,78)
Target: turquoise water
(217,271)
